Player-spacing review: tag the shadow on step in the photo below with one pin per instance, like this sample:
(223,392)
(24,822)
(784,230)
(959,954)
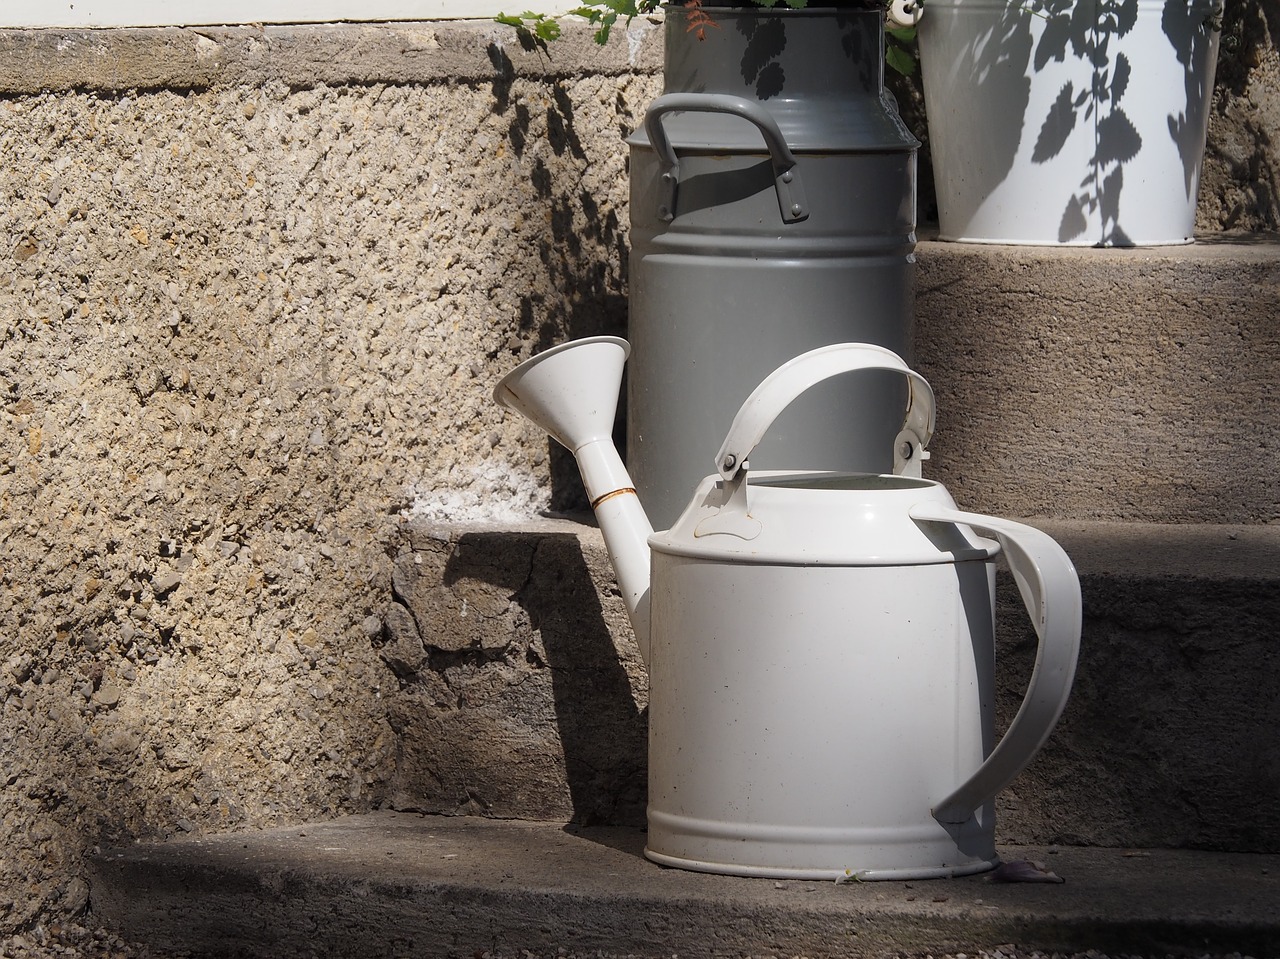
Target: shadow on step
(1170,736)
(522,694)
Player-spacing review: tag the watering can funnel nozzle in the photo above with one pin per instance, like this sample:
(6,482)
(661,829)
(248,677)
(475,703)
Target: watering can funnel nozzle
(571,392)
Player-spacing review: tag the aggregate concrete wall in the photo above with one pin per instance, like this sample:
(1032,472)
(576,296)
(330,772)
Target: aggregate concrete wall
(249,320)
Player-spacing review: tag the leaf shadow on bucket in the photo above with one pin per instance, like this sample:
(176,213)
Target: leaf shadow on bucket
(766,41)
(1091,130)
(1087,34)
(1117,141)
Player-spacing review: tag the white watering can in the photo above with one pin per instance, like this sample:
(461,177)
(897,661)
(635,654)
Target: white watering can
(820,646)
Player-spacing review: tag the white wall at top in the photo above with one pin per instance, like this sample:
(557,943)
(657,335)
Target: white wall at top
(158,13)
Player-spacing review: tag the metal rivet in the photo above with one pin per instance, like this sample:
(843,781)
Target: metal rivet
(786,177)
(730,462)
(906,450)
(796,209)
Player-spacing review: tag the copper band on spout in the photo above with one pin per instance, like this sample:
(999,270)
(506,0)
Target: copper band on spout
(595,504)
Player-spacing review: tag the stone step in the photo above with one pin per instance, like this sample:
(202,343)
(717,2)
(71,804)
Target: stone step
(390,884)
(1121,385)
(522,694)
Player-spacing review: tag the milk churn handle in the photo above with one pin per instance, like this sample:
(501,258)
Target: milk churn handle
(1050,591)
(786,178)
(777,391)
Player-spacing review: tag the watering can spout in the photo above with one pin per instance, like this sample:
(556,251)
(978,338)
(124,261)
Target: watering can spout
(571,392)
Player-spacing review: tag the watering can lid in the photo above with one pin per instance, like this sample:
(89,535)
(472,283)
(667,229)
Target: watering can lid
(820,519)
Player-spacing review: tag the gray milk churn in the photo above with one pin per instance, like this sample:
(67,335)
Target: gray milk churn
(773,197)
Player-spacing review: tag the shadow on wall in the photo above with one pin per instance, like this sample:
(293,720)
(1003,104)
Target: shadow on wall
(513,699)
(584,293)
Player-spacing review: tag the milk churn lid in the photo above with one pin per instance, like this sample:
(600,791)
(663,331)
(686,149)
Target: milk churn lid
(818,71)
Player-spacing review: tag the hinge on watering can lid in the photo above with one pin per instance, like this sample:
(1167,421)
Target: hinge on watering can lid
(909,454)
(733,517)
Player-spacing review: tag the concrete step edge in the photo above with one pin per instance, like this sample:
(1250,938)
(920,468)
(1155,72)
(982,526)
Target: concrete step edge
(403,884)
(1099,548)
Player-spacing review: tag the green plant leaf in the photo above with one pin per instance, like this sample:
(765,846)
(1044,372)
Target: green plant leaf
(623,8)
(900,61)
(606,22)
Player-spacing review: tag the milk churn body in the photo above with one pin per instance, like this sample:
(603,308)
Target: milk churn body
(808,707)
(739,273)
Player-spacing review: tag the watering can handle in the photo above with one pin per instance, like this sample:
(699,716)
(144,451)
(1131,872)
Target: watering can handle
(786,178)
(777,391)
(1050,591)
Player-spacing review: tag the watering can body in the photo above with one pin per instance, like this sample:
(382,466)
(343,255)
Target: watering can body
(820,644)
(815,695)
